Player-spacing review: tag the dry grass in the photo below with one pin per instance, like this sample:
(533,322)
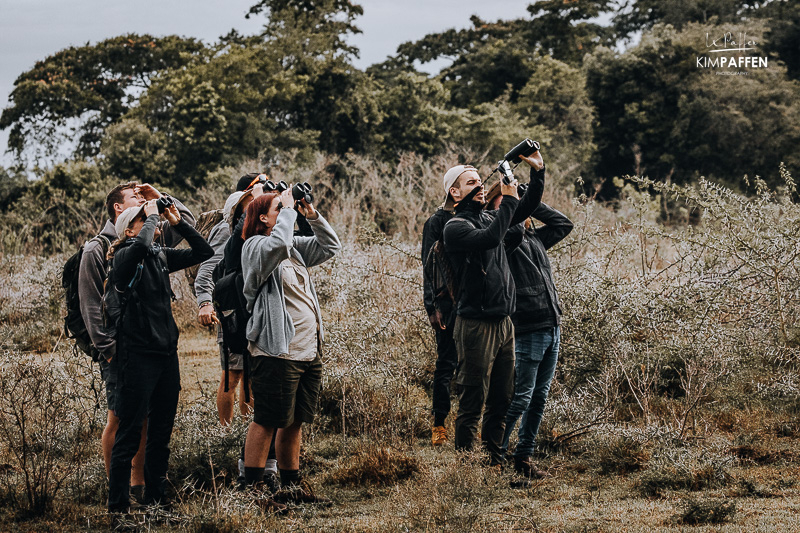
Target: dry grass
(677,383)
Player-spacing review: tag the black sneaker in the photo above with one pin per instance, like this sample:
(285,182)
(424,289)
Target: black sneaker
(137,493)
(271,482)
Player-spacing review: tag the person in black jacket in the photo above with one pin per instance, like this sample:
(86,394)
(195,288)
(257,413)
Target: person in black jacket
(485,299)
(537,332)
(439,307)
(146,351)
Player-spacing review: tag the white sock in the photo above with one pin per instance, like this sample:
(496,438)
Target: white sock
(272,466)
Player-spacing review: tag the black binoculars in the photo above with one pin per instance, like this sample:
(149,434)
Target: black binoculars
(300,191)
(164,203)
(525,148)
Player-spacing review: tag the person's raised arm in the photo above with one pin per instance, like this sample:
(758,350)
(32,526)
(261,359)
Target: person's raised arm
(323,245)
(199,249)
(556,225)
(462,236)
(533,196)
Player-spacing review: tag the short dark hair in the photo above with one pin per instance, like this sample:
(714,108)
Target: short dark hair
(116,197)
(245,181)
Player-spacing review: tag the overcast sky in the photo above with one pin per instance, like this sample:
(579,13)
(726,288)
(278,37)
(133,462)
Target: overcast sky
(33,29)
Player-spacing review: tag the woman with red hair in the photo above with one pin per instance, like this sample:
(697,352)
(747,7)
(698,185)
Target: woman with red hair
(284,333)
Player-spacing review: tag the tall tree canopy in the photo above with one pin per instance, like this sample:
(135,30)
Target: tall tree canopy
(78,92)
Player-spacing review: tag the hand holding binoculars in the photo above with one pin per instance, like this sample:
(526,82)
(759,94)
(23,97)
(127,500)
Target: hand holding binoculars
(525,149)
(300,191)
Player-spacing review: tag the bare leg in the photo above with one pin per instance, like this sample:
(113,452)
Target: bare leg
(287,447)
(225,400)
(107,443)
(107,440)
(137,464)
(256,446)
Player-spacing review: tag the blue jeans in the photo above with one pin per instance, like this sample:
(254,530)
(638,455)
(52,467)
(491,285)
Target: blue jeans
(536,358)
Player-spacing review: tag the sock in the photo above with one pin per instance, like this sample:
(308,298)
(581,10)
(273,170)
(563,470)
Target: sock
(253,475)
(438,419)
(241,467)
(272,466)
(290,477)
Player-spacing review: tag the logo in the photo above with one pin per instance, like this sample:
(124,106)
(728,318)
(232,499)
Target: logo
(731,51)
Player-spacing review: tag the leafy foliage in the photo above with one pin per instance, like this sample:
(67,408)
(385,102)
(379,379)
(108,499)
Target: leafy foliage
(93,84)
(660,115)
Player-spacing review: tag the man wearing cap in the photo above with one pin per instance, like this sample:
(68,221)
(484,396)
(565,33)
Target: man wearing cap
(91,275)
(485,299)
(204,288)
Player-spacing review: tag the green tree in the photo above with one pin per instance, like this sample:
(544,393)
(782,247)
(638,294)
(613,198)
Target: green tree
(413,114)
(78,92)
(638,15)
(659,115)
(783,37)
(555,97)
(130,151)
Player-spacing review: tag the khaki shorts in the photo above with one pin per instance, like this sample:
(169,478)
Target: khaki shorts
(284,391)
(235,360)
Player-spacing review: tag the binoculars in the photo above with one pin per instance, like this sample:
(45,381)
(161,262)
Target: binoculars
(164,203)
(525,148)
(300,191)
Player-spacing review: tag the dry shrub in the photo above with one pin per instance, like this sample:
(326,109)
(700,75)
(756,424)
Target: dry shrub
(32,301)
(377,466)
(684,469)
(47,415)
(707,511)
(619,454)
(204,453)
(746,488)
(450,496)
(760,455)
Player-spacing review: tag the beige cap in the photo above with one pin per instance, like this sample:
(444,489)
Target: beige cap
(125,219)
(450,178)
(230,205)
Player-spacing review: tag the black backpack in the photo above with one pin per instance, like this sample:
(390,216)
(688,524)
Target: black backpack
(231,307)
(441,272)
(74,325)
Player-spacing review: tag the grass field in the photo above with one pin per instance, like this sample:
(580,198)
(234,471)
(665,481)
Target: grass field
(675,403)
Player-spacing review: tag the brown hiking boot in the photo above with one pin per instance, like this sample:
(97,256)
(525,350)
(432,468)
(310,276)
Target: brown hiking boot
(526,467)
(438,435)
(302,493)
(270,506)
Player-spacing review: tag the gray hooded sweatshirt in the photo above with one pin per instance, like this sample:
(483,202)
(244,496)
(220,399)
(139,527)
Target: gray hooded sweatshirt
(270,326)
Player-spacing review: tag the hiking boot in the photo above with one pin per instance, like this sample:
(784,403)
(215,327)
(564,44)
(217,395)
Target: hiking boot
(162,504)
(526,467)
(438,435)
(270,506)
(300,493)
(520,483)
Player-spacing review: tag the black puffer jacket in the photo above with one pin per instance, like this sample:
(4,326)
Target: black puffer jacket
(537,298)
(473,239)
(147,323)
